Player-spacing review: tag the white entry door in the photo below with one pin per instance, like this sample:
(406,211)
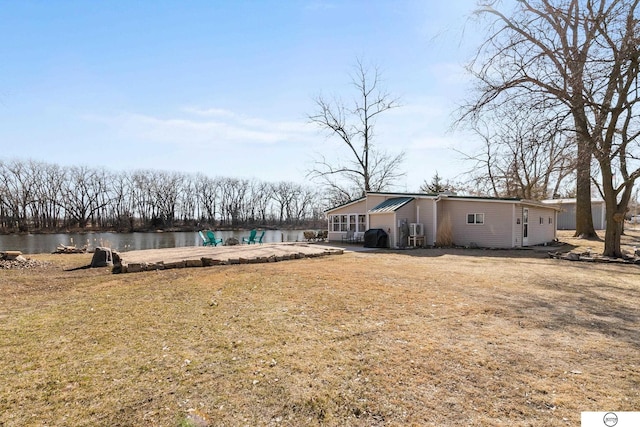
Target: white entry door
(525,227)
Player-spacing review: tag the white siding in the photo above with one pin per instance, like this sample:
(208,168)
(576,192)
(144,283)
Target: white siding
(517,229)
(496,232)
(384,221)
(541,233)
(424,215)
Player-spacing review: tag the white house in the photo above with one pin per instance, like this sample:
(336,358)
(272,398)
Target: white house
(474,221)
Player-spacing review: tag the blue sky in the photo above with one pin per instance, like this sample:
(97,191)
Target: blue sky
(224,87)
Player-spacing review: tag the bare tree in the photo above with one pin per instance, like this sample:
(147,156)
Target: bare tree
(40,196)
(49,195)
(261,197)
(140,193)
(301,204)
(17,192)
(234,200)
(81,194)
(208,192)
(364,167)
(525,153)
(583,56)
(122,202)
(188,200)
(283,194)
(166,189)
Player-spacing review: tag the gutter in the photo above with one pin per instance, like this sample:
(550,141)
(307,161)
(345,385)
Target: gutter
(435,220)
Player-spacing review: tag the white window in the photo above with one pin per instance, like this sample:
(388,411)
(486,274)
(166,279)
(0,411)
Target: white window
(475,218)
(362,223)
(338,222)
(353,222)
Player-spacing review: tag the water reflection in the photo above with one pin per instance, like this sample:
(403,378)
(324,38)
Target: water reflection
(122,242)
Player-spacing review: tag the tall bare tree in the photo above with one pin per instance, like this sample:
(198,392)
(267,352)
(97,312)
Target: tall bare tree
(18,184)
(364,167)
(208,190)
(50,194)
(583,55)
(526,153)
(82,192)
(261,197)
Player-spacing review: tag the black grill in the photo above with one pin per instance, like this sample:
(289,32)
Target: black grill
(376,238)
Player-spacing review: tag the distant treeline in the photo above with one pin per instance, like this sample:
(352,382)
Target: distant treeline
(42,197)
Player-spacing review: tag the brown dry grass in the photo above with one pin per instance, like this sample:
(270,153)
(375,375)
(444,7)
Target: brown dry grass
(421,337)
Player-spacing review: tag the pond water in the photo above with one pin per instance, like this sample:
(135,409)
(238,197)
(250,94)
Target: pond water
(122,242)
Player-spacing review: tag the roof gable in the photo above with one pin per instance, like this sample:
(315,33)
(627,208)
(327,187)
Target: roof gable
(345,204)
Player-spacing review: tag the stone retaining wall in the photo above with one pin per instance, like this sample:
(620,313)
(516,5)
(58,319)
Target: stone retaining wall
(124,267)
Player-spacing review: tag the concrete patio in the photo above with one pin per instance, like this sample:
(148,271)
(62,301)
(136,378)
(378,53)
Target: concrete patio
(204,256)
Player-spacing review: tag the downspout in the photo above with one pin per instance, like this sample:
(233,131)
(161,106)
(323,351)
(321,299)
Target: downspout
(513,226)
(395,230)
(366,210)
(435,220)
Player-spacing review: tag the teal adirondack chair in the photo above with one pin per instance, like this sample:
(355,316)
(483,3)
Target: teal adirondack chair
(251,239)
(261,237)
(205,239)
(212,238)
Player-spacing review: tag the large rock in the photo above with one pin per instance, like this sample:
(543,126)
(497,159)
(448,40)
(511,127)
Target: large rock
(102,257)
(12,255)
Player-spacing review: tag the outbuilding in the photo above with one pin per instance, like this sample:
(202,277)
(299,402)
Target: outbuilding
(567,213)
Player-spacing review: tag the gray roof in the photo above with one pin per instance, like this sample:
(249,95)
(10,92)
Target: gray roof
(345,204)
(391,205)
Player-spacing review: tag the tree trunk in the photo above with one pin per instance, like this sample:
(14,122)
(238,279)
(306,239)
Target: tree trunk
(612,235)
(617,207)
(584,218)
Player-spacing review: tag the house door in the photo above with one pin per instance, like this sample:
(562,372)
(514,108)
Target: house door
(525,227)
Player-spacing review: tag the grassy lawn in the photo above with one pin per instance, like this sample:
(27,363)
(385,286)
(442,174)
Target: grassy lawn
(419,337)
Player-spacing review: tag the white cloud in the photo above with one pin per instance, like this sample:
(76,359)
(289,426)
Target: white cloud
(210,126)
(208,112)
